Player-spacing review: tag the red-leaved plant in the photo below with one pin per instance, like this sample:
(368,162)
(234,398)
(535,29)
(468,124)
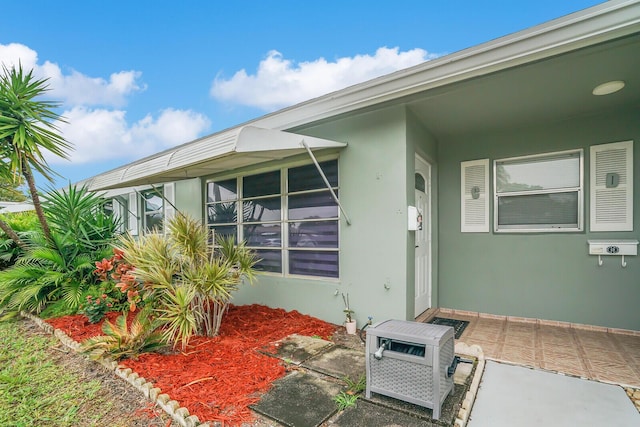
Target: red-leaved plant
(116,269)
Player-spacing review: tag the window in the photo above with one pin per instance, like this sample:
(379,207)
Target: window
(539,193)
(152,210)
(117,208)
(289,218)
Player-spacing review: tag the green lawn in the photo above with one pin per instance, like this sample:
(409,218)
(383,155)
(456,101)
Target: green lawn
(35,391)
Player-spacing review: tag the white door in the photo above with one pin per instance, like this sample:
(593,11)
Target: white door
(423,236)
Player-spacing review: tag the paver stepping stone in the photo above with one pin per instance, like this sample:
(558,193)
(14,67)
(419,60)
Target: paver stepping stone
(299,400)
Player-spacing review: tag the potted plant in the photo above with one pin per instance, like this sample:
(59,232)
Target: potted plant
(350,323)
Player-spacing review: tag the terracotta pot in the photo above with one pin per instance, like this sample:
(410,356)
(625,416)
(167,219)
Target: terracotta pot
(351,327)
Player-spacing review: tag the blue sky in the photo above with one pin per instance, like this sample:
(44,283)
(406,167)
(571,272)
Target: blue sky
(137,77)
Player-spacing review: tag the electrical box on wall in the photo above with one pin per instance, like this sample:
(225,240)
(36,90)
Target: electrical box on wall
(412,212)
(613,247)
(620,248)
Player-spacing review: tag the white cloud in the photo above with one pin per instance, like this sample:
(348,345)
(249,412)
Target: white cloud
(96,125)
(102,135)
(75,88)
(280,82)
(13,53)
(79,89)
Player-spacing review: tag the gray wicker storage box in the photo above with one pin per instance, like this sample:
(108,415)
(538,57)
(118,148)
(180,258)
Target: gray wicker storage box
(413,365)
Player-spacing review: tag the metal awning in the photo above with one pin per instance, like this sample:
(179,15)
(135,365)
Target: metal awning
(232,149)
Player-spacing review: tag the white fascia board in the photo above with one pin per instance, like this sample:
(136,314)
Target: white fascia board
(607,21)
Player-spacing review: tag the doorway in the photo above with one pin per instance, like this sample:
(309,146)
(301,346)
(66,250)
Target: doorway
(423,236)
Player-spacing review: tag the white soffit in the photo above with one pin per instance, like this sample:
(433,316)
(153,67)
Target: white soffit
(240,147)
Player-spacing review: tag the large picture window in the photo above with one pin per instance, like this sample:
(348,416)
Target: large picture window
(289,218)
(539,193)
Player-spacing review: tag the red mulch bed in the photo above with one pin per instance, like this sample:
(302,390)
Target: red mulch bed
(217,378)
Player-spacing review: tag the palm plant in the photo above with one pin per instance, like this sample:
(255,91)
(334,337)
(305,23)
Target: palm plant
(61,266)
(51,270)
(192,282)
(27,131)
(9,249)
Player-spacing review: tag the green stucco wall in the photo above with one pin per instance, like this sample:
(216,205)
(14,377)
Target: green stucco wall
(189,197)
(373,251)
(549,276)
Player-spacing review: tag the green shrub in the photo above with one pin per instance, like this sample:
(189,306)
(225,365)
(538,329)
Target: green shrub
(99,300)
(26,225)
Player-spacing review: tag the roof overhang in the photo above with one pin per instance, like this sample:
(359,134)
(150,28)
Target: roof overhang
(556,63)
(232,149)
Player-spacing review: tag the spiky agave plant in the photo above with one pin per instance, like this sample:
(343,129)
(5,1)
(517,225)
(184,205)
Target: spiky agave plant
(121,341)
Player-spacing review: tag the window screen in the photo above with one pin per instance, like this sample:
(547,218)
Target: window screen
(539,193)
(292,227)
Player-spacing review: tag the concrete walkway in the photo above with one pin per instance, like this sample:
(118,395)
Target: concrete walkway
(518,396)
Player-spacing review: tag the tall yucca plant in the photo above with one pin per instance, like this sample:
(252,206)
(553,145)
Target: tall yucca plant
(28,130)
(193,282)
(79,213)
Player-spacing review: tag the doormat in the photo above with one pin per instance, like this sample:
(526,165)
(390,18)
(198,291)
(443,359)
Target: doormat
(457,325)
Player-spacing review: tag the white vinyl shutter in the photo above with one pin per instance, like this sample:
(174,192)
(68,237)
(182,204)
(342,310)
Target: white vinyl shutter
(169,203)
(120,211)
(133,214)
(611,192)
(474,202)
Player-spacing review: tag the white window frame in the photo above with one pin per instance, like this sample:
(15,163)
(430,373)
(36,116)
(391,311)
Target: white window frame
(539,228)
(158,191)
(284,216)
(119,211)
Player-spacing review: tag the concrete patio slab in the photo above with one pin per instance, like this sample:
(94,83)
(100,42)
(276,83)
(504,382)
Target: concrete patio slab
(338,362)
(367,414)
(518,396)
(296,348)
(299,400)
(448,413)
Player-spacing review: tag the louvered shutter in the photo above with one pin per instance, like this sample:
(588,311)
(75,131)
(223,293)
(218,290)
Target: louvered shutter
(474,203)
(133,214)
(120,211)
(169,203)
(611,189)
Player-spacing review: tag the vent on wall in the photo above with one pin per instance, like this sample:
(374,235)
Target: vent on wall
(474,203)
(611,187)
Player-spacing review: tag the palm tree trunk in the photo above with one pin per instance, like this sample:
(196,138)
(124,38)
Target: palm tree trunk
(35,198)
(13,235)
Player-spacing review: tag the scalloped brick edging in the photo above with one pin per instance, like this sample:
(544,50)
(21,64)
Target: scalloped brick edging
(178,413)
(476,352)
